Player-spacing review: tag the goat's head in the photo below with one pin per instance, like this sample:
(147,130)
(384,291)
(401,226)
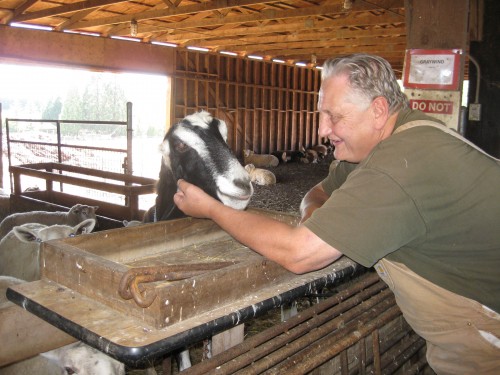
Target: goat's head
(195,150)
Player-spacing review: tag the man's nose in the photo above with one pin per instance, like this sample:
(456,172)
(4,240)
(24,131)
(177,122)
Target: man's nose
(324,128)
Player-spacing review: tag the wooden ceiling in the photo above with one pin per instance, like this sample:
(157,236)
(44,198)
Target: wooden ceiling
(305,31)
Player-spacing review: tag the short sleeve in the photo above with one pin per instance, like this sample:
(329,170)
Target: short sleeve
(337,175)
(368,217)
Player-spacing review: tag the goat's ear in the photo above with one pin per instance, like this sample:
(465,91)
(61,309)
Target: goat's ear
(223,129)
(165,148)
(25,234)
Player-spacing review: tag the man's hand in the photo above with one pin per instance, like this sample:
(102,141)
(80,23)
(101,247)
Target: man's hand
(193,201)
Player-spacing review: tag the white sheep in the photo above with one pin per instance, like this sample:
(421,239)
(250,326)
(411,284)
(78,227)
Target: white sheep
(260,176)
(76,358)
(81,359)
(20,248)
(259,160)
(75,215)
(94,364)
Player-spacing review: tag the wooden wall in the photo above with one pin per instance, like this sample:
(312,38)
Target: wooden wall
(267,106)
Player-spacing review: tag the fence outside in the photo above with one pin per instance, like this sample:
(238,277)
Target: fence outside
(99,145)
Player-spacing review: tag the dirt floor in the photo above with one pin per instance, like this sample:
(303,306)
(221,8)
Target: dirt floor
(293,180)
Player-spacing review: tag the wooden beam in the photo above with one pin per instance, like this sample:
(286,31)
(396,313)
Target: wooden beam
(83,51)
(297,26)
(217,21)
(81,5)
(270,47)
(188,9)
(333,36)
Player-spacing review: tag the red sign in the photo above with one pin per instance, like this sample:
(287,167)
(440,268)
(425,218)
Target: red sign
(432,106)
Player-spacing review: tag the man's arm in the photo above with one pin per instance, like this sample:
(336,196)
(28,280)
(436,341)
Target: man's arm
(296,248)
(313,199)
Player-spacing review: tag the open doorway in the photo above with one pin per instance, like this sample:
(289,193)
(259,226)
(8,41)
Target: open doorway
(55,93)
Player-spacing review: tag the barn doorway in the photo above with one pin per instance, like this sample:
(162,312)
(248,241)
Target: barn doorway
(55,93)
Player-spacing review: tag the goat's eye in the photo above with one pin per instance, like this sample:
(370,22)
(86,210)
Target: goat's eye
(181,147)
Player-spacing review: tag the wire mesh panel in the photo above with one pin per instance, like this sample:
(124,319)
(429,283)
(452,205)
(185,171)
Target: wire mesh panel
(99,145)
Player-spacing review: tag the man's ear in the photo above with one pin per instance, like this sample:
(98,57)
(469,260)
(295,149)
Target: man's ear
(380,110)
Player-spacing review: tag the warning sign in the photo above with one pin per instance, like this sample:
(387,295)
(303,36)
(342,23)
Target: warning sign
(432,106)
(443,105)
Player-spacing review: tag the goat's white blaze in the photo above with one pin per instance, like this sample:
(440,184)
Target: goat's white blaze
(201,119)
(192,139)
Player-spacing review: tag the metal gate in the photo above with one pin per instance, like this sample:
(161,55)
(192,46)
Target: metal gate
(100,145)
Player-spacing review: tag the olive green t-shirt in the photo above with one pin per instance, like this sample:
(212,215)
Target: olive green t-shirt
(422,198)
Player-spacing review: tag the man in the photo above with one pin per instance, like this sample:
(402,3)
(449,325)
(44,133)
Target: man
(420,204)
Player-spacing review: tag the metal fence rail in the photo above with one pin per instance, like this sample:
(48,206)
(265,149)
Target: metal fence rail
(359,330)
(100,145)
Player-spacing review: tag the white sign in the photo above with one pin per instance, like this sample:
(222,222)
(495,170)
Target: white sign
(443,105)
(431,69)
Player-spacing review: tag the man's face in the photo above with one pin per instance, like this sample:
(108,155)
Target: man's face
(346,119)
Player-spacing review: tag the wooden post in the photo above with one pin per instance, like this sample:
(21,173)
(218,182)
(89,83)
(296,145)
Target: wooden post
(438,25)
(227,339)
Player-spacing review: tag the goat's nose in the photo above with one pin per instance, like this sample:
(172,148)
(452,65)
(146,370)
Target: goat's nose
(245,185)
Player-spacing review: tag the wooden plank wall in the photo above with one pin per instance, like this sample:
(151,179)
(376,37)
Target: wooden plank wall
(267,106)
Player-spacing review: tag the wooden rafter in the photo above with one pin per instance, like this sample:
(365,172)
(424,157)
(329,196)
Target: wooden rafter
(289,29)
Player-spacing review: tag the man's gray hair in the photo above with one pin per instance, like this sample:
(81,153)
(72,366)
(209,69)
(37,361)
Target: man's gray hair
(370,76)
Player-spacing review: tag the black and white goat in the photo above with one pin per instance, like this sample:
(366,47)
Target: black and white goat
(195,150)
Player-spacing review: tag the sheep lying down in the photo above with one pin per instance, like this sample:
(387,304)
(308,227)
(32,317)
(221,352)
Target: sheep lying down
(259,160)
(76,214)
(260,176)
